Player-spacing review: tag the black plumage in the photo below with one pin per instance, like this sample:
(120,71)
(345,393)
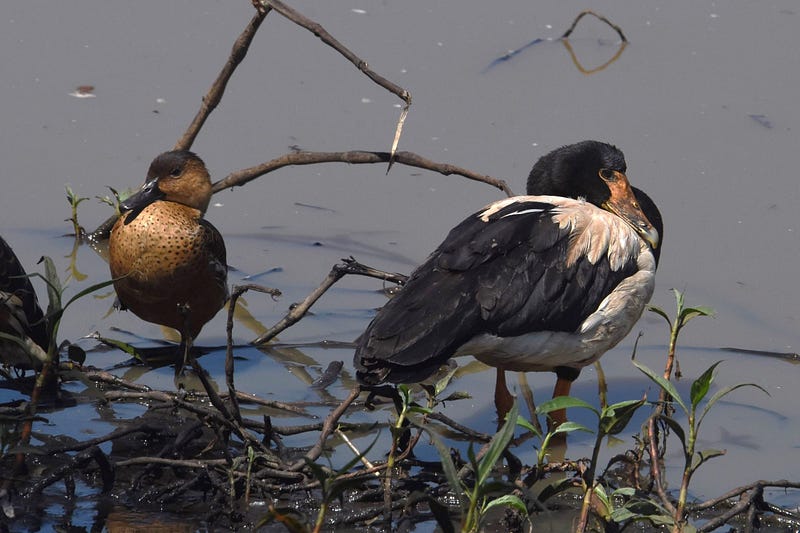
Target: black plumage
(536,282)
(20,315)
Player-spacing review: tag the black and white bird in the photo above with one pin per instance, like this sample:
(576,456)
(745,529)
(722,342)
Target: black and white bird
(544,282)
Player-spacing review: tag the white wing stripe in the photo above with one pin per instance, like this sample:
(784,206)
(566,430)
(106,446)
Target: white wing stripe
(523,212)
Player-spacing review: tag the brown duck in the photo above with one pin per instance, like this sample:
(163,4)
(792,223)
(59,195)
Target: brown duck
(167,261)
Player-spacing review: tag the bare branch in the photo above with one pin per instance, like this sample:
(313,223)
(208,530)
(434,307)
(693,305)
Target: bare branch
(328,426)
(355,157)
(349,266)
(212,99)
(328,39)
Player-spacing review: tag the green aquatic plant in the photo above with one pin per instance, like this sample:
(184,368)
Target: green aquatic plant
(478,498)
(74,201)
(611,420)
(695,411)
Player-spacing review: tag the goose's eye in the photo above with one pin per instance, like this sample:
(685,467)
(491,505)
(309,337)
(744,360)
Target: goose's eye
(607,174)
(175,172)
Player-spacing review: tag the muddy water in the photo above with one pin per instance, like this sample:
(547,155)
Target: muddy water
(702,101)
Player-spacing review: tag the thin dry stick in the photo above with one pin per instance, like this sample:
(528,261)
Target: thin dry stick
(359,63)
(212,99)
(354,157)
(590,12)
(741,506)
(237,291)
(655,468)
(330,423)
(361,457)
(274,404)
(527,394)
(328,39)
(781,483)
(350,266)
(468,432)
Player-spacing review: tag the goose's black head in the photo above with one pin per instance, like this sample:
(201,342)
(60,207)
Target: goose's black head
(595,171)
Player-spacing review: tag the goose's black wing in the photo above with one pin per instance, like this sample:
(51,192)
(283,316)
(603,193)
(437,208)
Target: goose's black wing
(513,268)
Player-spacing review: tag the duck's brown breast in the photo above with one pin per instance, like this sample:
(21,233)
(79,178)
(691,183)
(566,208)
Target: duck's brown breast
(166,258)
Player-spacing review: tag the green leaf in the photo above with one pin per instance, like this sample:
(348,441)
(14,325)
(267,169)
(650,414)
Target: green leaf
(497,445)
(678,299)
(88,290)
(448,467)
(640,510)
(614,418)
(526,424)
(701,385)
(663,383)
(405,393)
(676,429)
(420,409)
(602,496)
(554,487)
(625,492)
(689,313)
(444,382)
(457,395)
(569,427)
(660,312)
(508,500)
(563,402)
(622,514)
(704,455)
(54,289)
(724,392)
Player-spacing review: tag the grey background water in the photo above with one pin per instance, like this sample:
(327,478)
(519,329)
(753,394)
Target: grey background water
(703,102)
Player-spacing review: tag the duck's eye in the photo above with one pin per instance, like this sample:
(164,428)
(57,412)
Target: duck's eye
(175,172)
(607,174)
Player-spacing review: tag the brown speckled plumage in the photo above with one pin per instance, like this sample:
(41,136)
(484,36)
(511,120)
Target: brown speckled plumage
(165,258)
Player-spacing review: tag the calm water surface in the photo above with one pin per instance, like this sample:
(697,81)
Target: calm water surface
(702,102)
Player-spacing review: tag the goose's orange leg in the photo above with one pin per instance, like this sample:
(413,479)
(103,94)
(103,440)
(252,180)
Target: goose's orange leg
(503,400)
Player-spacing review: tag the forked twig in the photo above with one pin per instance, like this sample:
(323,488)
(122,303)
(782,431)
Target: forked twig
(237,291)
(328,426)
(349,266)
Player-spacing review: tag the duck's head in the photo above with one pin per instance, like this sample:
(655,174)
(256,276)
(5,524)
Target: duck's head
(594,171)
(179,176)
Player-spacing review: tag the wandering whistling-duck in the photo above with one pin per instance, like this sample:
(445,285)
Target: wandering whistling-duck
(167,261)
(544,282)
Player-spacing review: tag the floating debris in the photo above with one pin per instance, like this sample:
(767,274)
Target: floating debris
(83,91)
(763,120)
(329,376)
